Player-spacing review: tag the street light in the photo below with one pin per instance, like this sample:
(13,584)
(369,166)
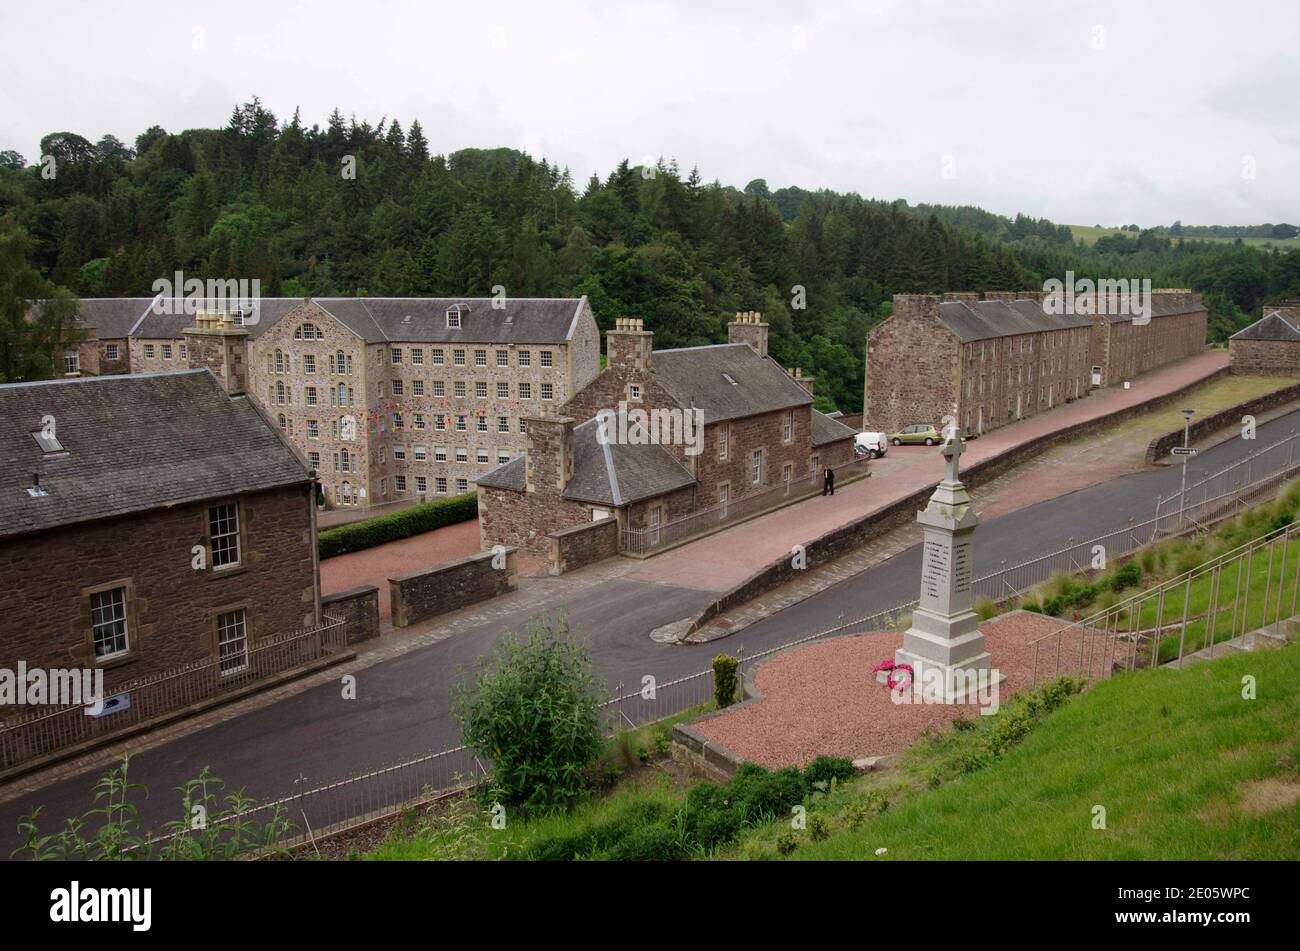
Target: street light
(1182,495)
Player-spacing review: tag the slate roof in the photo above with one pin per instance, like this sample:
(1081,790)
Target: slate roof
(615,474)
(987,319)
(133,443)
(522,320)
(726,381)
(826,430)
(1270,327)
(110,317)
(164,326)
(1163,305)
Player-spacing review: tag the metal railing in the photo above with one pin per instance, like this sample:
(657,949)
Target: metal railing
(703,521)
(1250,589)
(49,729)
(1279,456)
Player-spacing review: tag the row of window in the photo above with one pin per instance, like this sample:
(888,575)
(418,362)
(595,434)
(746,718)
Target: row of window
(179,351)
(724,437)
(460,422)
(460,389)
(345,494)
(110,624)
(111,631)
(438,356)
(280,362)
(341,395)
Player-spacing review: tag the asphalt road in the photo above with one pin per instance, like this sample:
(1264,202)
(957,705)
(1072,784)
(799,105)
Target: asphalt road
(401,708)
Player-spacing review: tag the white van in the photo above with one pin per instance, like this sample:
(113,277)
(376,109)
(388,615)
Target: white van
(874,445)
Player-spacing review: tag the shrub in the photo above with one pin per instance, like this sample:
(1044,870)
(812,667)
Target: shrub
(818,828)
(1126,576)
(724,680)
(828,769)
(397,525)
(533,713)
(786,843)
(985,608)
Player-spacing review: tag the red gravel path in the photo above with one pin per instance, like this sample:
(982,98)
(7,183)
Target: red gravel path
(824,700)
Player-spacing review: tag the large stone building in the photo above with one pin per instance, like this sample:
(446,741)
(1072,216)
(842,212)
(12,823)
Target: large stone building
(1123,349)
(985,363)
(147,522)
(105,325)
(759,434)
(1271,345)
(404,399)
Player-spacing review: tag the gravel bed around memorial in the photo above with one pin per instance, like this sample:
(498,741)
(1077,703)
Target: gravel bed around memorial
(823,699)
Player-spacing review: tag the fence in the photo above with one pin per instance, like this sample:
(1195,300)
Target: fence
(1249,589)
(47,730)
(640,542)
(1092,647)
(1255,469)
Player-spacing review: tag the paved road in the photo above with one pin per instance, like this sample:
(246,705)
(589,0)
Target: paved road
(401,710)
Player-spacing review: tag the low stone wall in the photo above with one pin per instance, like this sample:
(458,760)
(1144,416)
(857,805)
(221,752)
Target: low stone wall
(359,609)
(582,545)
(840,541)
(1160,446)
(421,595)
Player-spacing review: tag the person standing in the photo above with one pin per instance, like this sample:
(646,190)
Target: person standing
(828,483)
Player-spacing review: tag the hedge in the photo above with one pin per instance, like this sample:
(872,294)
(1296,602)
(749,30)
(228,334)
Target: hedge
(397,525)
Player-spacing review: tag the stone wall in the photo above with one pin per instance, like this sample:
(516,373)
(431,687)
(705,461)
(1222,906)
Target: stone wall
(421,595)
(583,545)
(1160,446)
(913,366)
(359,610)
(1265,357)
(171,607)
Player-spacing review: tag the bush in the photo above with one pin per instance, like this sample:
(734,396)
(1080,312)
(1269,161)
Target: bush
(828,769)
(985,608)
(1126,576)
(724,680)
(397,525)
(533,714)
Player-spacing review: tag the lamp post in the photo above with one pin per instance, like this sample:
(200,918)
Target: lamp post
(1182,495)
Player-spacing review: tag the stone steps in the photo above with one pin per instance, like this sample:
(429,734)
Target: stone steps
(1269,637)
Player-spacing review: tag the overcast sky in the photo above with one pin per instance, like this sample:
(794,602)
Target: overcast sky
(1085,113)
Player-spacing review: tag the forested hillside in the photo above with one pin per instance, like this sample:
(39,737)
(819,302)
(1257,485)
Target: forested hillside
(273,200)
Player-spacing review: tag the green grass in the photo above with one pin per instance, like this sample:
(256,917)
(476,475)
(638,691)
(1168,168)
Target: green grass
(1088,234)
(1183,765)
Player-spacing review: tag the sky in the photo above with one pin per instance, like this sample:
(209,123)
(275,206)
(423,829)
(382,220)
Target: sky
(1108,113)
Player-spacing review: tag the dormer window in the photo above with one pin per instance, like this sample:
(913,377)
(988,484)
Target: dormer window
(453,318)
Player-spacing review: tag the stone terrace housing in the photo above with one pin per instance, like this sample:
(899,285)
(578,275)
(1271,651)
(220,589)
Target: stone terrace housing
(760,433)
(100,521)
(1269,346)
(394,399)
(106,324)
(993,361)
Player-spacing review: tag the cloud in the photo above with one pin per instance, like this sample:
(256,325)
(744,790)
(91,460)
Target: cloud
(1088,112)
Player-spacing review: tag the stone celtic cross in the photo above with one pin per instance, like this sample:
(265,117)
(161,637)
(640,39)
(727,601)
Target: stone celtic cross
(953,447)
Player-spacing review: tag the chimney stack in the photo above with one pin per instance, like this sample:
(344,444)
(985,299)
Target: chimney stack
(219,343)
(748,327)
(796,374)
(629,344)
(548,464)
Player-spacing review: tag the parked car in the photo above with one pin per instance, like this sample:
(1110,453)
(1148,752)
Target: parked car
(915,435)
(872,445)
